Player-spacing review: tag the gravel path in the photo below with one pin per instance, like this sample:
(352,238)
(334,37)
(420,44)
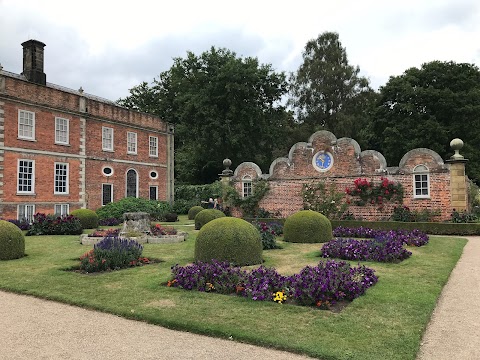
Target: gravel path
(454,329)
(34,329)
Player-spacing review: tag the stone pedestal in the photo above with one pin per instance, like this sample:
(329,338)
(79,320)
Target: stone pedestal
(136,222)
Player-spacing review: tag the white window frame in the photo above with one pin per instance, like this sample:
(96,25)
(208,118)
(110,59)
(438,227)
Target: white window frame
(153,146)
(64,209)
(67,179)
(111,193)
(32,184)
(247,186)
(107,138)
(24,125)
(136,185)
(421,171)
(27,215)
(131,142)
(156,192)
(62,131)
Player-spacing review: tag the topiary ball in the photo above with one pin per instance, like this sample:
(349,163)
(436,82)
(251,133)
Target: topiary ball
(88,218)
(205,216)
(229,239)
(194,210)
(307,226)
(12,241)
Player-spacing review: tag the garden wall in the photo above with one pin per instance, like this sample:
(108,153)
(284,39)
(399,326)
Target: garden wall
(341,162)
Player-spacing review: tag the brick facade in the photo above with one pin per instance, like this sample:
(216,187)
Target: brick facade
(287,176)
(85,115)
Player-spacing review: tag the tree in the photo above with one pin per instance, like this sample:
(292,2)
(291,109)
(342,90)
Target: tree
(428,107)
(222,106)
(328,93)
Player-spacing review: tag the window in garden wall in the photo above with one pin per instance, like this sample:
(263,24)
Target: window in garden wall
(246,186)
(132,183)
(153,192)
(421,182)
(25,211)
(62,209)
(107,194)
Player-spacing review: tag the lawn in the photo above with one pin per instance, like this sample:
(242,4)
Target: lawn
(386,323)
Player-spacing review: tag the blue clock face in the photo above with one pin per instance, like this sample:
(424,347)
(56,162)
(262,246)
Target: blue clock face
(322,161)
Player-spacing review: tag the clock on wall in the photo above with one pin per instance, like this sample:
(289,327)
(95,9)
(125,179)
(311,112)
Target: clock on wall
(322,161)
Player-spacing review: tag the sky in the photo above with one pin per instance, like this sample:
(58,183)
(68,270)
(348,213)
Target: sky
(107,47)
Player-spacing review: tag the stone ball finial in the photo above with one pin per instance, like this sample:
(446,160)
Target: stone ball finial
(456,144)
(227,172)
(227,163)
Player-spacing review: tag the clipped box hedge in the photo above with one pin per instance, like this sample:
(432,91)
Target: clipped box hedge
(433,228)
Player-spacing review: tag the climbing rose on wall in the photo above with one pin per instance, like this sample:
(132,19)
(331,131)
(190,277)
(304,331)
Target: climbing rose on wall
(367,192)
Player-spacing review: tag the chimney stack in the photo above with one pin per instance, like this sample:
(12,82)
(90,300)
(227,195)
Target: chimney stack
(33,62)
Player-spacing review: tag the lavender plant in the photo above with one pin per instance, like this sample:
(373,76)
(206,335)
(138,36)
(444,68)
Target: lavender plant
(112,253)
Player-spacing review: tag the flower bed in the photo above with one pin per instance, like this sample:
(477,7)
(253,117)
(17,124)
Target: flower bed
(412,238)
(381,249)
(113,253)
(321,286)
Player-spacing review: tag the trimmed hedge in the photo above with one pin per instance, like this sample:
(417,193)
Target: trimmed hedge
(307,226)
(194,210)
(433,228)
(206,216)
(88,218)
(12,241)
(229,239)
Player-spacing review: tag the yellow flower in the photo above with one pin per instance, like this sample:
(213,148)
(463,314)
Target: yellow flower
(279,297)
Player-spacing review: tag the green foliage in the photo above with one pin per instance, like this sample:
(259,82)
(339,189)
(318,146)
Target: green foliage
(220,104)
(12,241)
(88,218)
(307,226)
(194,211)
(205,216)
(324,199)
(187,196)
(327,92)
(156,209)
(55,225)
(427,107)
(463,217)
(403,213)
(229,239)
(249,204)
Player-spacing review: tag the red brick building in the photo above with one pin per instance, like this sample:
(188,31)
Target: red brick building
(62,149)
(427,180)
